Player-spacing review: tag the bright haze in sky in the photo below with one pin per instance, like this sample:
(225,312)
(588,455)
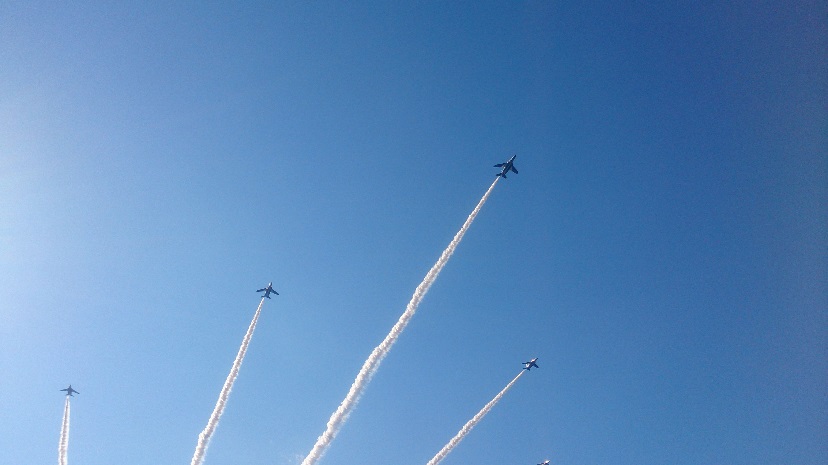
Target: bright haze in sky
(662,250)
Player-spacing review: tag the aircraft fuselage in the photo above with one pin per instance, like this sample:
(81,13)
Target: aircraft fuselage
(507,166)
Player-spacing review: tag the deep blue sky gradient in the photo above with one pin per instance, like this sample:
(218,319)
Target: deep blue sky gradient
(663,249)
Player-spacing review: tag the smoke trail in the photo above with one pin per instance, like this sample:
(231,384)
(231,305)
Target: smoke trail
(63,444)
(204,437)
(369,368)
(471,424)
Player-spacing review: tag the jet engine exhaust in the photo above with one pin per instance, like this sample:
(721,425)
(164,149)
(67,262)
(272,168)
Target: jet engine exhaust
(204,437)
(63,443)
(471,424)
(371,365)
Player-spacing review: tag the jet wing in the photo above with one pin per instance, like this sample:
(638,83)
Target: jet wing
(513,169)
(260,290)
(499,165)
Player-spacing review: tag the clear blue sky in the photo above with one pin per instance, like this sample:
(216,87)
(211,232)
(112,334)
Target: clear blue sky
(663,249)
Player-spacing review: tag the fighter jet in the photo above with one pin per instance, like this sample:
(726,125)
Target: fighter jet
(69,391)
(268,290)
(509,165)
(546,462)
(531,363)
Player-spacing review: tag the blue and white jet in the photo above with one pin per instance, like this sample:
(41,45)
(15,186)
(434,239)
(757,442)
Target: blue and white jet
(509,165)
(531,363)
(267,290)
(69,391)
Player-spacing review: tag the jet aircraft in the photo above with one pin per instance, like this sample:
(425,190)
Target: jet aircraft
(531,363)
(509,165)
(546,462)
(69,391)
(268,290)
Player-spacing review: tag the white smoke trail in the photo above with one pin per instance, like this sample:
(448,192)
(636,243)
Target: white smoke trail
(471,424)
(204,437)
(369,368)
(63,444)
